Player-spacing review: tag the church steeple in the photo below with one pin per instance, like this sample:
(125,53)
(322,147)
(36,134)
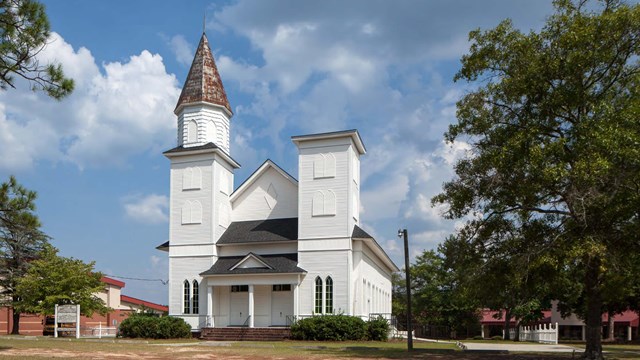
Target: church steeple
(203,83)
(204,113)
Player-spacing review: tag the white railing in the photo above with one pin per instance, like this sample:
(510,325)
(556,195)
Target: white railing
(98,331)
(543,333)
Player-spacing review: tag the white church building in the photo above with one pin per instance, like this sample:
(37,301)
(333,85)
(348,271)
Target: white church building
(275,248)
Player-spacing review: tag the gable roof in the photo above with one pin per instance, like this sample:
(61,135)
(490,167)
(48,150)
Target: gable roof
(353,133)
(110,281)
(253,256)
(148,304)
(266,165)
(257,231)
(278,264)
(359,234)
(201,149)
(203,84)
(164,246)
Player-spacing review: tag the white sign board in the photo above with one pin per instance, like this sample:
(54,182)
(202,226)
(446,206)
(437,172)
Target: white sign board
(67,313)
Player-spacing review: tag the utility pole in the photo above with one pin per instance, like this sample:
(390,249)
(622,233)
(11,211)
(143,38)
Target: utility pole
(403,233)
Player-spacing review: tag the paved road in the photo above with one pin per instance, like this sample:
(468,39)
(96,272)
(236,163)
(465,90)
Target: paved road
(528,347)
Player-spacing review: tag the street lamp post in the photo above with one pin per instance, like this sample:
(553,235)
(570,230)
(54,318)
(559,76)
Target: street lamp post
(403,233)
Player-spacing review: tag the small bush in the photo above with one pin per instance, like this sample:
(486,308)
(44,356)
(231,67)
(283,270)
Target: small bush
(497,337)
(151,327)
(478,337)
(378,329)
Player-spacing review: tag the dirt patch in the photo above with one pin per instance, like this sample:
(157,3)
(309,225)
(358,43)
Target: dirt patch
(207,354)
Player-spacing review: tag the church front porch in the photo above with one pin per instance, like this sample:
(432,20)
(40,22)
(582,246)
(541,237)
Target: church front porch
(252,304)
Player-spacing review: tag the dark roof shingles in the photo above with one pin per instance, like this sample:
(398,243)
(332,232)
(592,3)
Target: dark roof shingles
(249,232)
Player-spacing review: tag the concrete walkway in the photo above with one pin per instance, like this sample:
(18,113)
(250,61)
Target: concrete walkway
(520,347)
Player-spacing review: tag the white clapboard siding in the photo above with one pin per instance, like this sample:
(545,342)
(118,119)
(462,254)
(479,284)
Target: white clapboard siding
(252,204)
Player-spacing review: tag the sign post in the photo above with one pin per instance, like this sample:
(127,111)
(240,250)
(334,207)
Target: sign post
(66,314)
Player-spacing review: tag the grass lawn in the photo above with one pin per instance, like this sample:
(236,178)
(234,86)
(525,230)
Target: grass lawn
(45,347)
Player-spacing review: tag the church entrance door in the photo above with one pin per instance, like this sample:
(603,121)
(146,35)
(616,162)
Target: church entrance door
(281,304)
(239,305)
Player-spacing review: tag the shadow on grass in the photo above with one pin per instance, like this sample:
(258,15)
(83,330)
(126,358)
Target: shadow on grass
(2,348)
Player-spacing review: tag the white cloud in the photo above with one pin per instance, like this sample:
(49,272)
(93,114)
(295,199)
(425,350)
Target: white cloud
(116,110)
(150,209)
(181,49)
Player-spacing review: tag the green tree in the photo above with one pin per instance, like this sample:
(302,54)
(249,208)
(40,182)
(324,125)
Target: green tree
(24,31)
(554,129)
(492,261)
(20,241)
(54,279)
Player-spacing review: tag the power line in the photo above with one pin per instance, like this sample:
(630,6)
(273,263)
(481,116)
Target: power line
(164,282)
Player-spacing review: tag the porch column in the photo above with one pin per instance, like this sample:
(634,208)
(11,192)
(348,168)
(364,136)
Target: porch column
(629,333)
(295,300)
(482,331)
(584,333)
(210,322)
(251,306)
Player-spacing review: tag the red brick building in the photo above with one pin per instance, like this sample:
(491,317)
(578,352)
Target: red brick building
(122,305)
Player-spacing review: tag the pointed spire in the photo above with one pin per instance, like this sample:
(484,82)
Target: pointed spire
(203,82)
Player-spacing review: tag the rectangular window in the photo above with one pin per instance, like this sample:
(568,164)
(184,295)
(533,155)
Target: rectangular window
(281,287)
(239,288)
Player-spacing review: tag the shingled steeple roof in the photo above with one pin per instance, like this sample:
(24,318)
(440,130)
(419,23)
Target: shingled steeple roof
(203,82)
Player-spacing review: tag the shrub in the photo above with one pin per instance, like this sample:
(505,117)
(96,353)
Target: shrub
(329,328)
(478,337)
(340,328)
(152,327)
(497,337)
(378,329)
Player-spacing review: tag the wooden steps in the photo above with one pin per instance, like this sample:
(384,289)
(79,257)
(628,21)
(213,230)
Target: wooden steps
(245,334)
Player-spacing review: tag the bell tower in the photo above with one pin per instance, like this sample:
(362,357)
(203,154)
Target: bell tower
(201,182)
(203,111)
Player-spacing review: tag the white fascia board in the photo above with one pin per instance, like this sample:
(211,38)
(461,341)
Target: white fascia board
(252,256)
(203,103)
(257,174)
(379,251)
(353,134)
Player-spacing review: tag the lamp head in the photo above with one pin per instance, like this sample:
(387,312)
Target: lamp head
(400,233)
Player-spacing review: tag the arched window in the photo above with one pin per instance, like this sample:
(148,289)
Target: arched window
(324,166)
(212,132)
(330,165)
(195,299)
(328,294)
(318,166)
(187,297)
(224,216)
(318,296)
(192,178)
(192,132)
(323,203)
(329,203)
(192,212)
(318,204)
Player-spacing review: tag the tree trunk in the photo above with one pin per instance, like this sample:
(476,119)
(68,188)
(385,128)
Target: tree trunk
(507,318)
(593,321)
(15,329)
(611,327)
(517,335)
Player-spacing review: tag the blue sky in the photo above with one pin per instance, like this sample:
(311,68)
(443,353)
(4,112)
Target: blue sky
(289,68)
